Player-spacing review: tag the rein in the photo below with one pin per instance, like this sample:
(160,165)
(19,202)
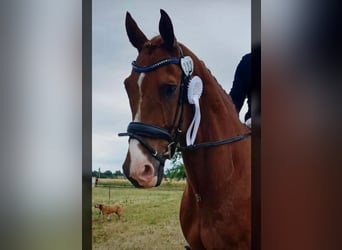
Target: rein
(215,143)
(139,130)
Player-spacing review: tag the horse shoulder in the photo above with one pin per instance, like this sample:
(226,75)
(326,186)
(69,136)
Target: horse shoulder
(190,219)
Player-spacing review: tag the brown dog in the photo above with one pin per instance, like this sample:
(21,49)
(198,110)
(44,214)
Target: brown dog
(108,210)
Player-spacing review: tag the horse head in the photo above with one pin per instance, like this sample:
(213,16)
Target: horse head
(153,89)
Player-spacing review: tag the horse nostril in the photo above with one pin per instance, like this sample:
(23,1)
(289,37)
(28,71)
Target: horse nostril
(148,170)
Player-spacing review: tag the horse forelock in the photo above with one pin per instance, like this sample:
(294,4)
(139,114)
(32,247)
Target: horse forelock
(157,44)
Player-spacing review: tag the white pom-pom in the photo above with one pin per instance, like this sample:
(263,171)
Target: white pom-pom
(195,89)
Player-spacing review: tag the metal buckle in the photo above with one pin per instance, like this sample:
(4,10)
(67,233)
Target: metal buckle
(168,153)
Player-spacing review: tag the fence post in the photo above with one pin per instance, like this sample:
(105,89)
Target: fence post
(109,192)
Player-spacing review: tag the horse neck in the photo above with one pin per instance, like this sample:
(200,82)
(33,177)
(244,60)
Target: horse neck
(219,120)
(218,112)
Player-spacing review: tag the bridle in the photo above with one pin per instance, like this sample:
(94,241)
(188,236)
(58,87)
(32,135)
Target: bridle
(139,130)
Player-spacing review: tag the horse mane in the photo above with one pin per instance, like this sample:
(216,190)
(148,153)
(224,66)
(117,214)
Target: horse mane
(209,78)
(218,84)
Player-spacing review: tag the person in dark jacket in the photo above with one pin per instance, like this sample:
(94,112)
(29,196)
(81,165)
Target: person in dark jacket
(242,86)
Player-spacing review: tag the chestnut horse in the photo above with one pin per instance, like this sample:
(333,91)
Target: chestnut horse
(170,91)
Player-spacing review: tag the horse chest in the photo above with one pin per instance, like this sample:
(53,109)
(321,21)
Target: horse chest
(208,227)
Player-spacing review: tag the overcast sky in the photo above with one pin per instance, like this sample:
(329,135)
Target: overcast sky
(218,32)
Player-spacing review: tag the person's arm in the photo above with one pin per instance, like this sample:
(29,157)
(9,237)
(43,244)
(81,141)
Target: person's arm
(238,91)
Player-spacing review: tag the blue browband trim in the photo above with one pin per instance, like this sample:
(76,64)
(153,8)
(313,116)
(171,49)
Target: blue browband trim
(143,69)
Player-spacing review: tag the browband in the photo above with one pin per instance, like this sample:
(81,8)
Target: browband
(143,69)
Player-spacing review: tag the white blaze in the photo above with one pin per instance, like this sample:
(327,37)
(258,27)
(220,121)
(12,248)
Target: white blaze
(140,80)
(138,159)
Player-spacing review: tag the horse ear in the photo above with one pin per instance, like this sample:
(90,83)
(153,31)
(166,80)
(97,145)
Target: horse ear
(135,35)
(166,29)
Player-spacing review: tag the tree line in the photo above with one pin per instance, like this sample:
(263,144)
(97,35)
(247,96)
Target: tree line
(107,174)
(177,170)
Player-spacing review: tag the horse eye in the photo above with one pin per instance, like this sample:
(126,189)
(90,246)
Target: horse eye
(169,90)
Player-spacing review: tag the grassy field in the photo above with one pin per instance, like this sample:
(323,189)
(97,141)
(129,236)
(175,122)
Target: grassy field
(150,220)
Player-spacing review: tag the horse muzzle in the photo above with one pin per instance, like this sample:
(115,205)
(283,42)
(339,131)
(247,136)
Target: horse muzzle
(141,168)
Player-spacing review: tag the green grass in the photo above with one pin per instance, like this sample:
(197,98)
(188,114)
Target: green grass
(150,220)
